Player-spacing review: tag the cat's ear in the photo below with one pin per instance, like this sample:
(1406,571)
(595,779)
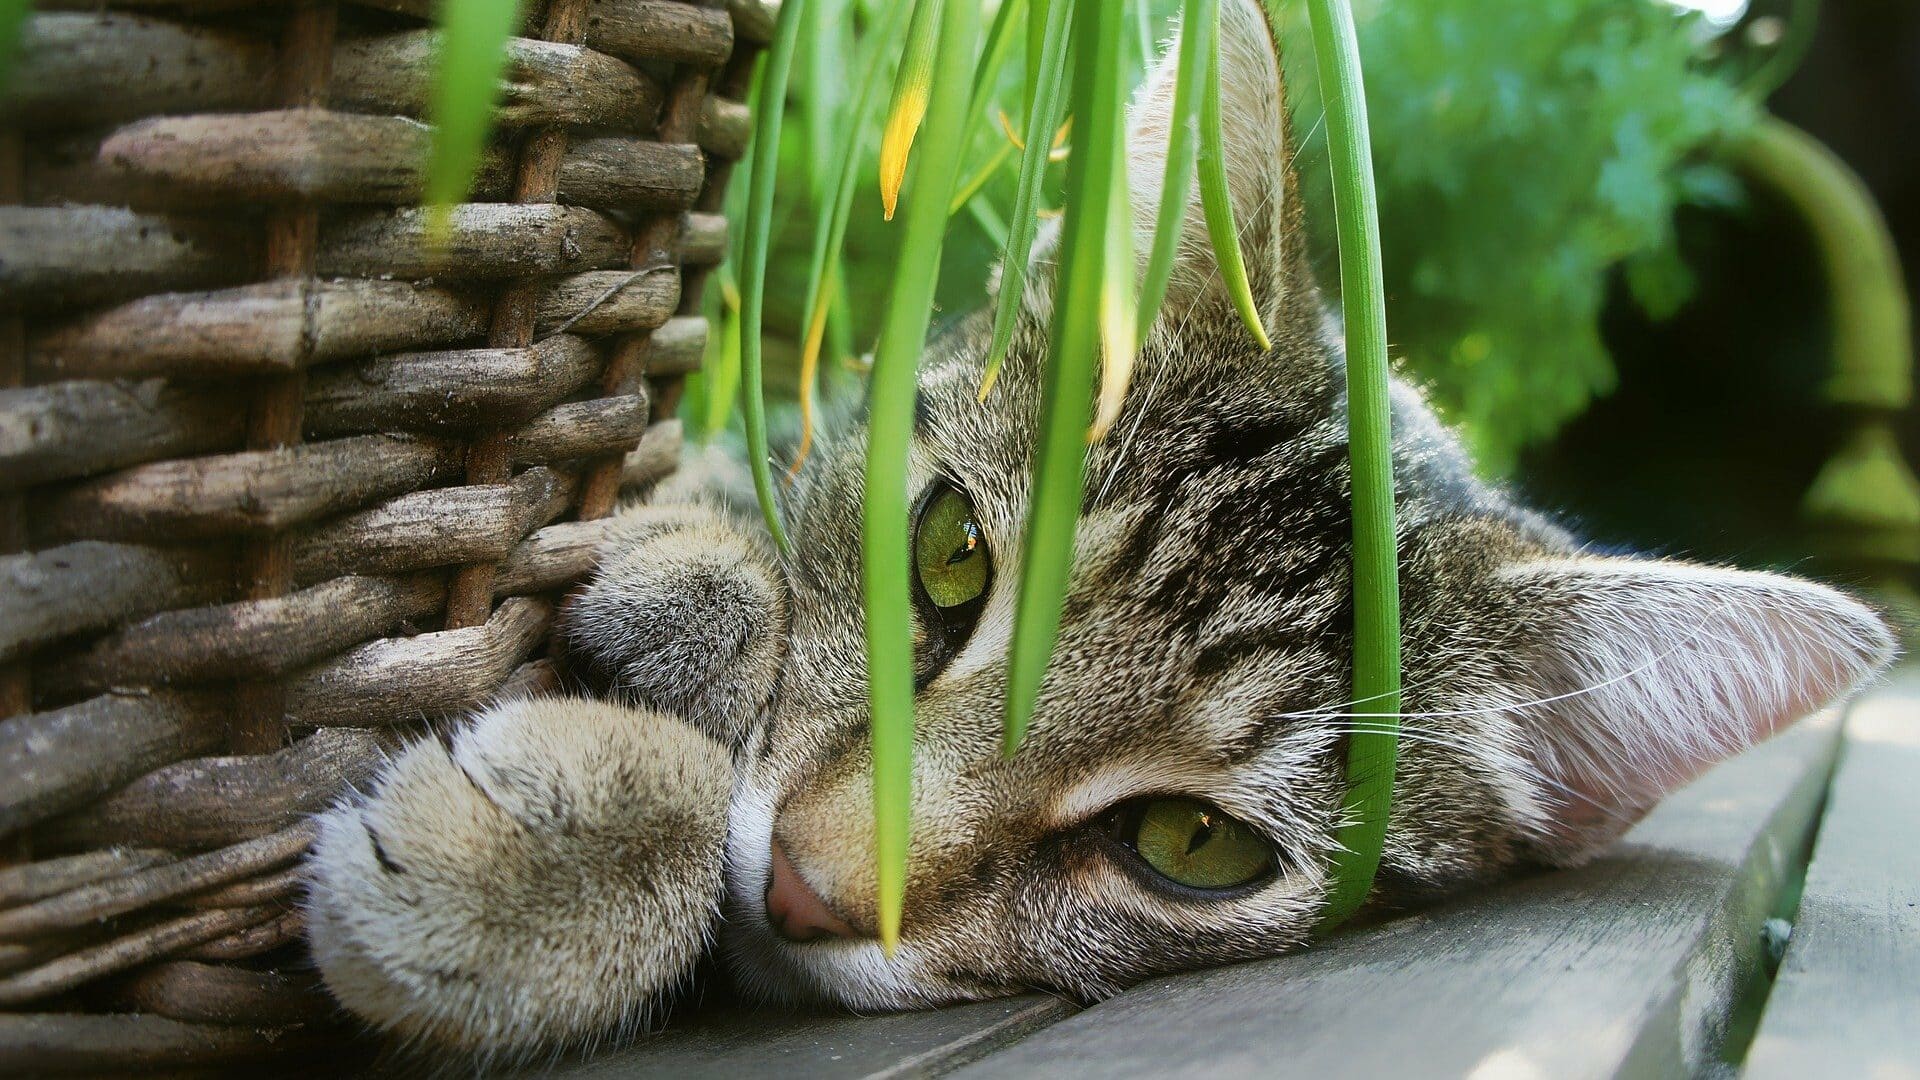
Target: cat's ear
(1642,674)
(1259,159)
(1261,186)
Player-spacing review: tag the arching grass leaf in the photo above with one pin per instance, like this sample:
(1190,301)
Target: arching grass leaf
(885,554)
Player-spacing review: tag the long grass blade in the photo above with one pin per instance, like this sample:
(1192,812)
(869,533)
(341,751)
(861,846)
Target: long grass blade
(1199,22)
(911,89)
(1038,17)
(1217,203)
(830,228)
(819,91)
(885,552)
(1033,168)
(993,57)
(1092,195)
(466,84)
(769,105)
(986,78)
(974,184)
(1371,755)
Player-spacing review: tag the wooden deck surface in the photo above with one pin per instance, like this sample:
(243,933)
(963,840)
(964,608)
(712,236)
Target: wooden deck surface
(1651,961)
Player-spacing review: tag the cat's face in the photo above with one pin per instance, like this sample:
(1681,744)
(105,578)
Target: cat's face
(1176,797)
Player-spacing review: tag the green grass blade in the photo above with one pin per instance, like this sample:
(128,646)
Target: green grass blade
(1038,18)
(991,227)
(993,57)
(1199,22)
(912,88)
(466,84)
(1092,194)
(885,551)
(1217,203)
(830,226)
(1372,754)
(1041,120)
(768,107)
(986,78)
(819,91)
(966,191)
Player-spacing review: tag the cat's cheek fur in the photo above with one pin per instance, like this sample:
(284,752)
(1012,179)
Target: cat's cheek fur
(540,882)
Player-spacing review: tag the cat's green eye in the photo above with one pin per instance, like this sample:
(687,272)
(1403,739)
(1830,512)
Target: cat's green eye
(1195,844)
(950,552)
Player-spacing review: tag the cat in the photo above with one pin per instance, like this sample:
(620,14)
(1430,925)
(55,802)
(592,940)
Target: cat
(548,872)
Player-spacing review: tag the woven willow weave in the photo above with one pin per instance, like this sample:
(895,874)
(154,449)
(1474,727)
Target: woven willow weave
(279,485)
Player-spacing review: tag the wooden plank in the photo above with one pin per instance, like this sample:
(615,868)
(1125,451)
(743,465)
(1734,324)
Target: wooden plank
(1847,996)
(1624,966)
(732,1044)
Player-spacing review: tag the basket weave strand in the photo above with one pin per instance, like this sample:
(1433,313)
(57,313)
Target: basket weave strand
(280,485)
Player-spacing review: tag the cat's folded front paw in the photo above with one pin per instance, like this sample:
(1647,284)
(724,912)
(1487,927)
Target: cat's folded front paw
(540,881)
(686,614)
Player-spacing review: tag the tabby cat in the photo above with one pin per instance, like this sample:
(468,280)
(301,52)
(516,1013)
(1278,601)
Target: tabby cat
(548,871)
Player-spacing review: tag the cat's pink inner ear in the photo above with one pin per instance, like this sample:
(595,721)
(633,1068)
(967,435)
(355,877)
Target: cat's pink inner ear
(1641,674)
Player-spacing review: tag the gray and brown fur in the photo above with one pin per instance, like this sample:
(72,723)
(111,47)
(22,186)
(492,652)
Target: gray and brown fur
(1551,695)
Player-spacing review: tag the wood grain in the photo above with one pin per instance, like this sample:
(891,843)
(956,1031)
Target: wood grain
(58,760)
(217,801)
(252,329)
(817,1046)
(89,585)
(545,83)
(399,680)
(452,390)
(483,240)
(251,491)
(1847,997)
(63,430)
(123,1043)
(61,256)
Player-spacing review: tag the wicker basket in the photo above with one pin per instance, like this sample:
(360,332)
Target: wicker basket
(277,485)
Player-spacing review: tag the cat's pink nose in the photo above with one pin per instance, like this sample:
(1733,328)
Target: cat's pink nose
(795,910)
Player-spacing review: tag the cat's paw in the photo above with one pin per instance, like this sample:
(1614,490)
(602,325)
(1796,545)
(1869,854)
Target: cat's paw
(539,882)
(687,614)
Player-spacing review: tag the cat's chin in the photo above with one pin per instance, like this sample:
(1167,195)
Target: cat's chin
(853,973)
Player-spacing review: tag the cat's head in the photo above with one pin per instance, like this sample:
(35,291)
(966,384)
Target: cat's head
(1176,797)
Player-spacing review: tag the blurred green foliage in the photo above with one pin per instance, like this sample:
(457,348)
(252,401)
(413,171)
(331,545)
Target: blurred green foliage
(1524,149)
(13,15)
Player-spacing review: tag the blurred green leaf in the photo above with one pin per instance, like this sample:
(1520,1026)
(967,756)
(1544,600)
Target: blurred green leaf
(1216,200)
(1199,21)
(769,109)
(1041,120)
(466,85)
(1526,151)
(886,564)
(831,217)
(1095,191)
(13,18)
